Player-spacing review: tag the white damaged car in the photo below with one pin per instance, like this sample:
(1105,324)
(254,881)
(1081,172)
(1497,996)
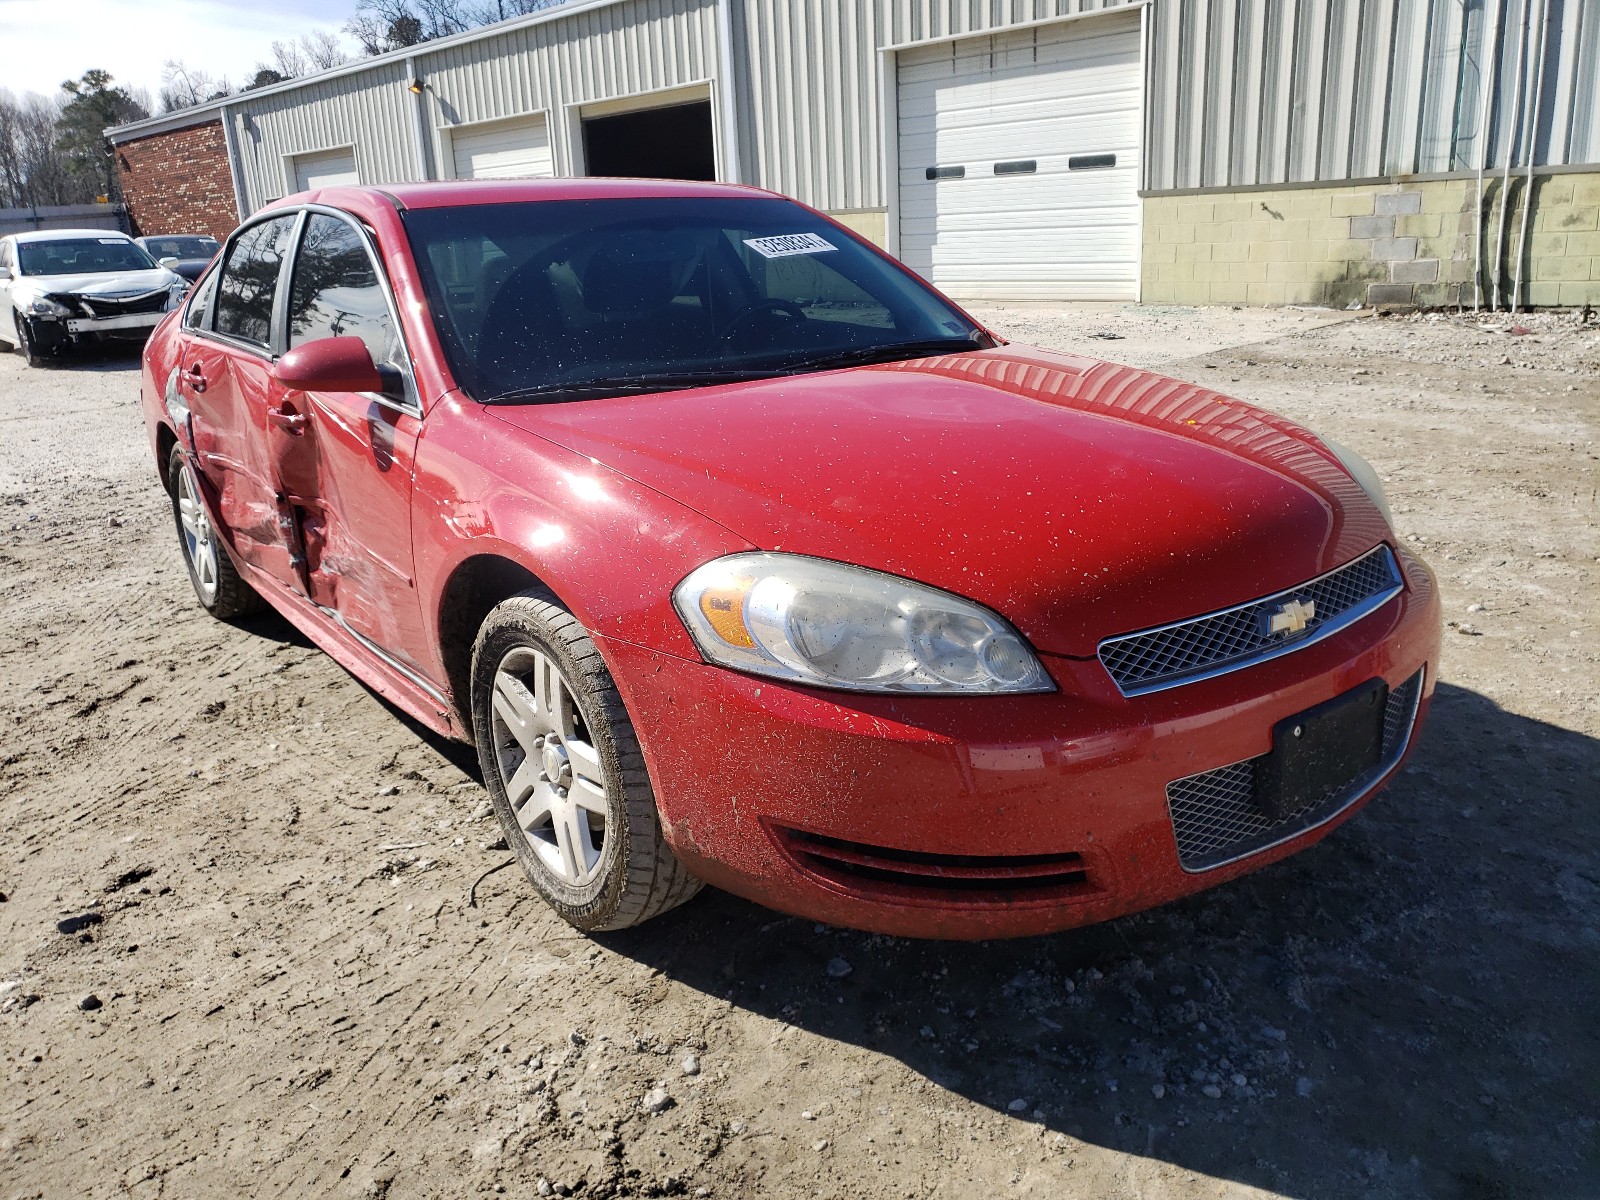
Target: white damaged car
(64,287)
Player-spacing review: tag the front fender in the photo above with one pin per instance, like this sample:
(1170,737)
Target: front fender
(609,548)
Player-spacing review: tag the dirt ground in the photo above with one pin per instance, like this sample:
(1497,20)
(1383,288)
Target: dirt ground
(262,874)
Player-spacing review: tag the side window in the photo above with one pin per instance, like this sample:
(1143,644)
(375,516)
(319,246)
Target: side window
(249,282)
(336,292)
(194,316)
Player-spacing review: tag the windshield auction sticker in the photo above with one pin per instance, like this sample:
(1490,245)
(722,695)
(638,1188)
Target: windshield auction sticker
(789,244)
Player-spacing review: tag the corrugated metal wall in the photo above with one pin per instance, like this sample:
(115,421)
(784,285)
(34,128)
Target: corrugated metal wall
(616,50)
(1240,92)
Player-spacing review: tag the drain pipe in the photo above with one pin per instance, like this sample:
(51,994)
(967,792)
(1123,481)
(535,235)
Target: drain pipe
(1488,81)
(1511,153)
(1534,103)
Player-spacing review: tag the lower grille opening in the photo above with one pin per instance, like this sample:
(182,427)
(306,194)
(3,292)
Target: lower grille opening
(910,876)
(1215,816)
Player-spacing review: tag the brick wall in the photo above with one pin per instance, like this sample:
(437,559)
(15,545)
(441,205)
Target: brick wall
(1396,244)
(179,182)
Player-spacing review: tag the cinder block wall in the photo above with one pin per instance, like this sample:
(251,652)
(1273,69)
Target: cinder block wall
(179,182)
(1395,244)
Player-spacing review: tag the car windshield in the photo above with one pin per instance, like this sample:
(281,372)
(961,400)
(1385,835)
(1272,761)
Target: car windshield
(81,256)
(560,299)
(181,247)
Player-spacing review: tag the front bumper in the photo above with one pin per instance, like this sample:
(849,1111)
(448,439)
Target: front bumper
(124,326)
(984,817)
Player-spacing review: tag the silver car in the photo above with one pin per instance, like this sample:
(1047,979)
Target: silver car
(64,287)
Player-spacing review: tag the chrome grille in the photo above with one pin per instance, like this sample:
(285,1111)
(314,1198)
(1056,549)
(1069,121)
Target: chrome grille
(1238,637)
(1215,817)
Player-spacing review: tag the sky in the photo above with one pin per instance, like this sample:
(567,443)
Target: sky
(47,41)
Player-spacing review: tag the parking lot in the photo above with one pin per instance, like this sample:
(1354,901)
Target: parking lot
(270,883)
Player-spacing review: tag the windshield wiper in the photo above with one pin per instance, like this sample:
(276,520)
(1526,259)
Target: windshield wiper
(626,385)
(892,352)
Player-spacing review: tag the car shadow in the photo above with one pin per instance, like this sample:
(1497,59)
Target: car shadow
(102,358)
(273,626)
(1405,1009)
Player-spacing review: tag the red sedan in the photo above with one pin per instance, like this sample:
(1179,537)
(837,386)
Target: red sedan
(745,557)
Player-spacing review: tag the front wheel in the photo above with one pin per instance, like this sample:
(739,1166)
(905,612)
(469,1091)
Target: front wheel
(565,772)
(217,584)
(24,341)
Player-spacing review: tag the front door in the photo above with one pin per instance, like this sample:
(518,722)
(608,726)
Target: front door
(345,459)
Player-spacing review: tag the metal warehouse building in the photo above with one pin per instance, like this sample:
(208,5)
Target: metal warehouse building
(1181,151)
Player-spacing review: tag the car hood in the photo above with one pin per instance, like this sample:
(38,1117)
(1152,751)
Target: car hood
(1077,498)
(102,283)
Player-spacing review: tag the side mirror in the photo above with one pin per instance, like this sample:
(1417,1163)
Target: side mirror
(169,262)
(336,364)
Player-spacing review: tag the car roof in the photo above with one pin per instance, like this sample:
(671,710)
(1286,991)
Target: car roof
(457,192)
(62,235)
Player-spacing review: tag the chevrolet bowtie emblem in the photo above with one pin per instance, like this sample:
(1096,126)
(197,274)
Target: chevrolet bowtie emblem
(1291,617)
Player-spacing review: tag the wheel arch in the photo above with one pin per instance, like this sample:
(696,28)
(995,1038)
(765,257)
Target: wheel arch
(474,587)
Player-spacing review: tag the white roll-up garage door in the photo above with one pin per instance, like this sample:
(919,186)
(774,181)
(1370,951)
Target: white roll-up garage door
(514,149)
(1019,162)
(327,168)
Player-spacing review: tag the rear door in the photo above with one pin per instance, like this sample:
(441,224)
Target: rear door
(225,376)
(346,458)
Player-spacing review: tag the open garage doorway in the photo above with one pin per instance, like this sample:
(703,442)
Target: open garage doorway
(668,142)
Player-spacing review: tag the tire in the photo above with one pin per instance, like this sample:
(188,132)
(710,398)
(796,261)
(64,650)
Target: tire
(562,764)
(217,584)
(24,341)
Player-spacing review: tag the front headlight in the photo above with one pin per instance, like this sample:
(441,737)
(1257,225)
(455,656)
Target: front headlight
(1361,471)
(43,306)
(838,626)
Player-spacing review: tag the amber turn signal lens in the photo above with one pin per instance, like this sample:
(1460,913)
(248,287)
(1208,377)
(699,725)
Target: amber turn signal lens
(724,612)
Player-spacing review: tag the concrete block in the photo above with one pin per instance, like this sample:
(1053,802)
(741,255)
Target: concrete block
(1422,270)
(1350,204)
(1329,229)
(1566,266)
(1194,251)
(1586,188)
(1566,218)
(1394,248)
(1266,293)
(1371,227)
(1291,273)
(1311,205)
(1583,243)
(1160,252)
(1175,232)
(1547,245)
(1235,210)
(1272,252)
(1394,204)
(1461,270)
(1553,189)
(1390,293)
(1543,295)
(1585,292)
(1434,295)
(1422,225)
(1230,251)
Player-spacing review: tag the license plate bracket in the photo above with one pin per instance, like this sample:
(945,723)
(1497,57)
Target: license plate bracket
(1321,751)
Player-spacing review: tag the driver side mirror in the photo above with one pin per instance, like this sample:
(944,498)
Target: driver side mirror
(5,273)
(169,262)
(336,364)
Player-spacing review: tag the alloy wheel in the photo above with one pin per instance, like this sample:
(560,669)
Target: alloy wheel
(549,766)
(199,541)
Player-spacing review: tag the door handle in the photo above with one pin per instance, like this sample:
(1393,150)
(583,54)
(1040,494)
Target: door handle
(197,379)
(290,422)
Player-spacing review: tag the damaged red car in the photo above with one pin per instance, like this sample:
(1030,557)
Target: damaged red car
(747,558)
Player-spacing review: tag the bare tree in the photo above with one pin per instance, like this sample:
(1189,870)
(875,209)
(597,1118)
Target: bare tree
(183,86)
(383,25)
(323,50)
